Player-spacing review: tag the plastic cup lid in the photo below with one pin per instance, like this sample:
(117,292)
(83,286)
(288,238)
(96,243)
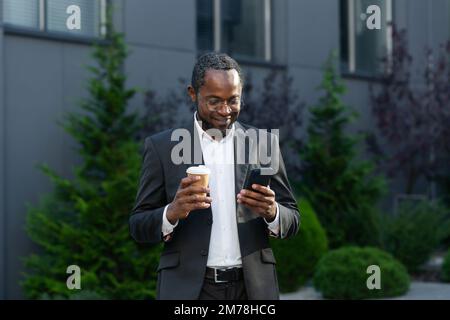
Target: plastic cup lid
(198,170)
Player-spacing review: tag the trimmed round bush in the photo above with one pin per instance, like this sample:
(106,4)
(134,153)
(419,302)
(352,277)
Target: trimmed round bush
(446,267)
(297,257)
(343,274)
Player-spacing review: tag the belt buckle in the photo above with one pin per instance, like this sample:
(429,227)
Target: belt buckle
(215,276)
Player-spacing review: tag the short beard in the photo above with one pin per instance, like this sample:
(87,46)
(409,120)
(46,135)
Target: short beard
(207,125)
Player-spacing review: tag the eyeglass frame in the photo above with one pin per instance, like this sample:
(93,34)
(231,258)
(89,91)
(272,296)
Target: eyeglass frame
(221,102)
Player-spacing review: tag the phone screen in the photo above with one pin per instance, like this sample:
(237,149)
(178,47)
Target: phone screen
(256,177)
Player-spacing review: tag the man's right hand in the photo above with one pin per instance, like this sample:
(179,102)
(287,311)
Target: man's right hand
(187,198)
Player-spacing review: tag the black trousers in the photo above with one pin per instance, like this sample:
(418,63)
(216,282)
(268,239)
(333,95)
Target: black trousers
(232,290)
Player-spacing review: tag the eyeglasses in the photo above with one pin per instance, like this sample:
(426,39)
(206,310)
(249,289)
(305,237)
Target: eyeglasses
(214,104)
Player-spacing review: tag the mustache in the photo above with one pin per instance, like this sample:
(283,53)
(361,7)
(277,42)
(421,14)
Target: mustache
(206,124)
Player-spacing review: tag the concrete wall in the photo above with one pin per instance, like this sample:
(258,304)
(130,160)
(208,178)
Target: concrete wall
(313,34)
(162,43)
(44,79)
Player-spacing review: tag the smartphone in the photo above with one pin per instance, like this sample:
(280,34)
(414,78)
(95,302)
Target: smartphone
(256,177)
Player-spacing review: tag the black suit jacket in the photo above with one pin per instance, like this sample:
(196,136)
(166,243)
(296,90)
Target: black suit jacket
(182,264)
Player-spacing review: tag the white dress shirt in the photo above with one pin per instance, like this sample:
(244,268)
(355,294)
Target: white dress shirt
(218,156)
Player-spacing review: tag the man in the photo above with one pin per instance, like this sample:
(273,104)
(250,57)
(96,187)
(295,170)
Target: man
(216,246)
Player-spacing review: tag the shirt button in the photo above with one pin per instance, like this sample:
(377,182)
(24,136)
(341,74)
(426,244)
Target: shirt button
(203,252)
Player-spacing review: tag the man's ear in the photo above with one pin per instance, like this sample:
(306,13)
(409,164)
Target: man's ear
(192,93)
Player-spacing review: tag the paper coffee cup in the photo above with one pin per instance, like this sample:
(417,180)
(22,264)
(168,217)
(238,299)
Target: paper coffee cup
(201,171)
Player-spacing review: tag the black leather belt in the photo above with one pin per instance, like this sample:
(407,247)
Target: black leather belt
(224,275)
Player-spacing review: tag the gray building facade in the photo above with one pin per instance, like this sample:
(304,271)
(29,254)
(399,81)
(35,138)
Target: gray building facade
(41,75)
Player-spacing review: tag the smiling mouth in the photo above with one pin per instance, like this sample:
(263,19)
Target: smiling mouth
(223,120)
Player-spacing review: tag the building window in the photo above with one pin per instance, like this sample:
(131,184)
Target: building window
(23,13)
(241,28)
(361,47)
(51,15)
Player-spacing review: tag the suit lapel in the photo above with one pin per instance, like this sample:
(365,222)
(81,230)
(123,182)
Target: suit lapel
(195,158)
(240,169)
(243,161)
(196,148)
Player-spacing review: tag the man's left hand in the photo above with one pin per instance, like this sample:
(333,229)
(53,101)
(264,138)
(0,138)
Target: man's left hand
(261,201)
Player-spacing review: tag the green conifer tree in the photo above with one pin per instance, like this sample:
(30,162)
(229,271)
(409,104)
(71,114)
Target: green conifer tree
(342,189)
(84,221)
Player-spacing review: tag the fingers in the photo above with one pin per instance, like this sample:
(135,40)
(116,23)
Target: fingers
(256,196)
(187,181)
(196,198)
(197,206)
(190,197)
(186,185)
(264,190)
(260,202)
(193,202)
(262,208)
(191,190)
(253,203)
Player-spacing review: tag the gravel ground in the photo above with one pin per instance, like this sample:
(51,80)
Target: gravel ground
(418,291)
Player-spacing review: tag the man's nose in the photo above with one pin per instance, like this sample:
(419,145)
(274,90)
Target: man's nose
(224,109)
